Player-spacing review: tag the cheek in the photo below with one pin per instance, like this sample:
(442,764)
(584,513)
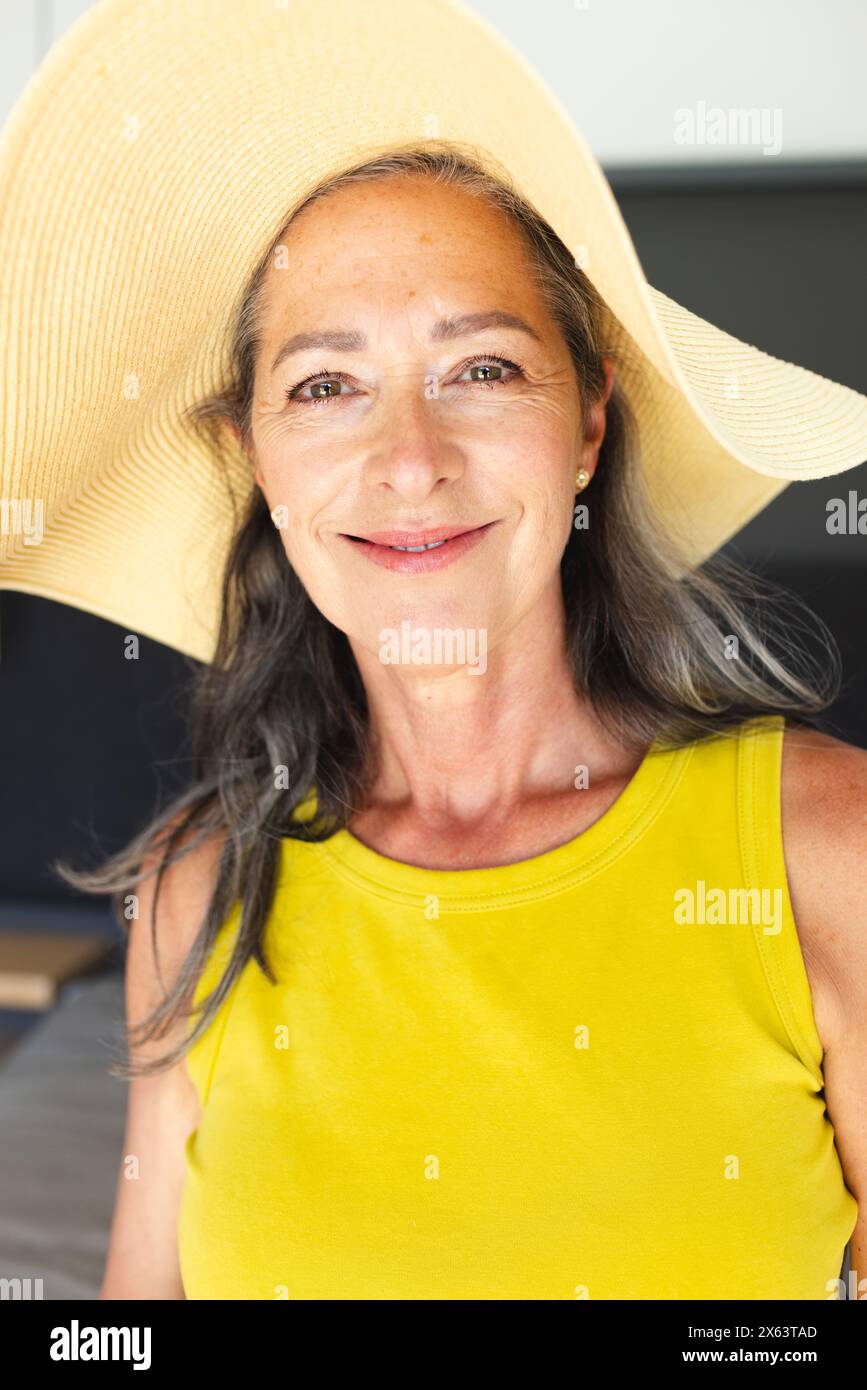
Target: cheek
(541,480)
(307,557)
(315,569)
(542,477)
(294,501)
(293,515)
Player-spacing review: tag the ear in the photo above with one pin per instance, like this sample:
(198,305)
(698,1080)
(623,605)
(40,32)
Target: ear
(610,368)
(595,428)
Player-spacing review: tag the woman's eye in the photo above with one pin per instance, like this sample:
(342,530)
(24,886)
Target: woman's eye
(490,370)
(324,390)
(325,385)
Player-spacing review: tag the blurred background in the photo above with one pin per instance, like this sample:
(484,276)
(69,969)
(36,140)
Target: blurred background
(764,234)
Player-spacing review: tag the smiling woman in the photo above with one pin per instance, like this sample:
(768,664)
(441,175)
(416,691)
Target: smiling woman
(435,802)
(435,1022)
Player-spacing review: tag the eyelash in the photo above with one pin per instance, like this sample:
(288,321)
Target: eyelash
(292,392)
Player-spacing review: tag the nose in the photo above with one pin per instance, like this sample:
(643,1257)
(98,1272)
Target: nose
(411,452)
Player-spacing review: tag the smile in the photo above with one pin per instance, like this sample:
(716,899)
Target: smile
(418,552)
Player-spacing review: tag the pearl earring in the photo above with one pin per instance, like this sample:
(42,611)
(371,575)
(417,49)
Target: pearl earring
(582,478)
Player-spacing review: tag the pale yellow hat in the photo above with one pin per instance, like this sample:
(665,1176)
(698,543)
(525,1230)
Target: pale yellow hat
(145,170)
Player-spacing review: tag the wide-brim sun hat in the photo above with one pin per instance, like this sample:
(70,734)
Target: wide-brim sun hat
(144,171)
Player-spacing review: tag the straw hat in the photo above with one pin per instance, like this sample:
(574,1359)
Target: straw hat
(143,173)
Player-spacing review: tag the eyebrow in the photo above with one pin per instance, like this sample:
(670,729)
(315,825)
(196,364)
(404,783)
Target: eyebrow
(344,340)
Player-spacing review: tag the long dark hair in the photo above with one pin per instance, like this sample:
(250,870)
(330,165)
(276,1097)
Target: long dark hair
(281,711)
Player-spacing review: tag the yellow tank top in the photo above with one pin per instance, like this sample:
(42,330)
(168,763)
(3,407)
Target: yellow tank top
(594,1073)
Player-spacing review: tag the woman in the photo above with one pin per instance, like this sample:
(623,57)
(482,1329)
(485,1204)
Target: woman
(518,895)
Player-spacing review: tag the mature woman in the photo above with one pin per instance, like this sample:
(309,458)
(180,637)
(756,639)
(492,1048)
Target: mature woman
(520,898)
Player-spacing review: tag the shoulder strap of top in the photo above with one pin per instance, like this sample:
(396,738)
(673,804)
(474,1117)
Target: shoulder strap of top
(760,753)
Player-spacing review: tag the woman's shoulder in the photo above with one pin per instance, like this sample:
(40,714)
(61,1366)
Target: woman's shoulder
(824,823)
(824,789)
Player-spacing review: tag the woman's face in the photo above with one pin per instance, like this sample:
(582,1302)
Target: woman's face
(370,420)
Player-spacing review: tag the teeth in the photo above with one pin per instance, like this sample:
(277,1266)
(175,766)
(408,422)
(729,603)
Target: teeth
(413,549)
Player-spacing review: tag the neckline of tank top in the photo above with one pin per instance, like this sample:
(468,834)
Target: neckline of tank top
(541,876)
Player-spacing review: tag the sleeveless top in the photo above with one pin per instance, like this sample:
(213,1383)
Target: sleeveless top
(594,1073)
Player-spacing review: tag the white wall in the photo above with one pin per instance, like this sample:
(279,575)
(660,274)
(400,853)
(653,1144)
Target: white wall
(625,67)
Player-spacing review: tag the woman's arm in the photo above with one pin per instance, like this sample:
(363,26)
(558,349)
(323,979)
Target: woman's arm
(824,799)
(162,1110)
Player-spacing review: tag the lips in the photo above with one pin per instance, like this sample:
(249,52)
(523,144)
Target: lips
(415,538)
(418,552)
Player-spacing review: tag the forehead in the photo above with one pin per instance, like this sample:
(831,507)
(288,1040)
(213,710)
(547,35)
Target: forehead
(396,238)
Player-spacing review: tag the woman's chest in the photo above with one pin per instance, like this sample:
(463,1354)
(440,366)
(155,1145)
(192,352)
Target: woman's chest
(389,1127)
